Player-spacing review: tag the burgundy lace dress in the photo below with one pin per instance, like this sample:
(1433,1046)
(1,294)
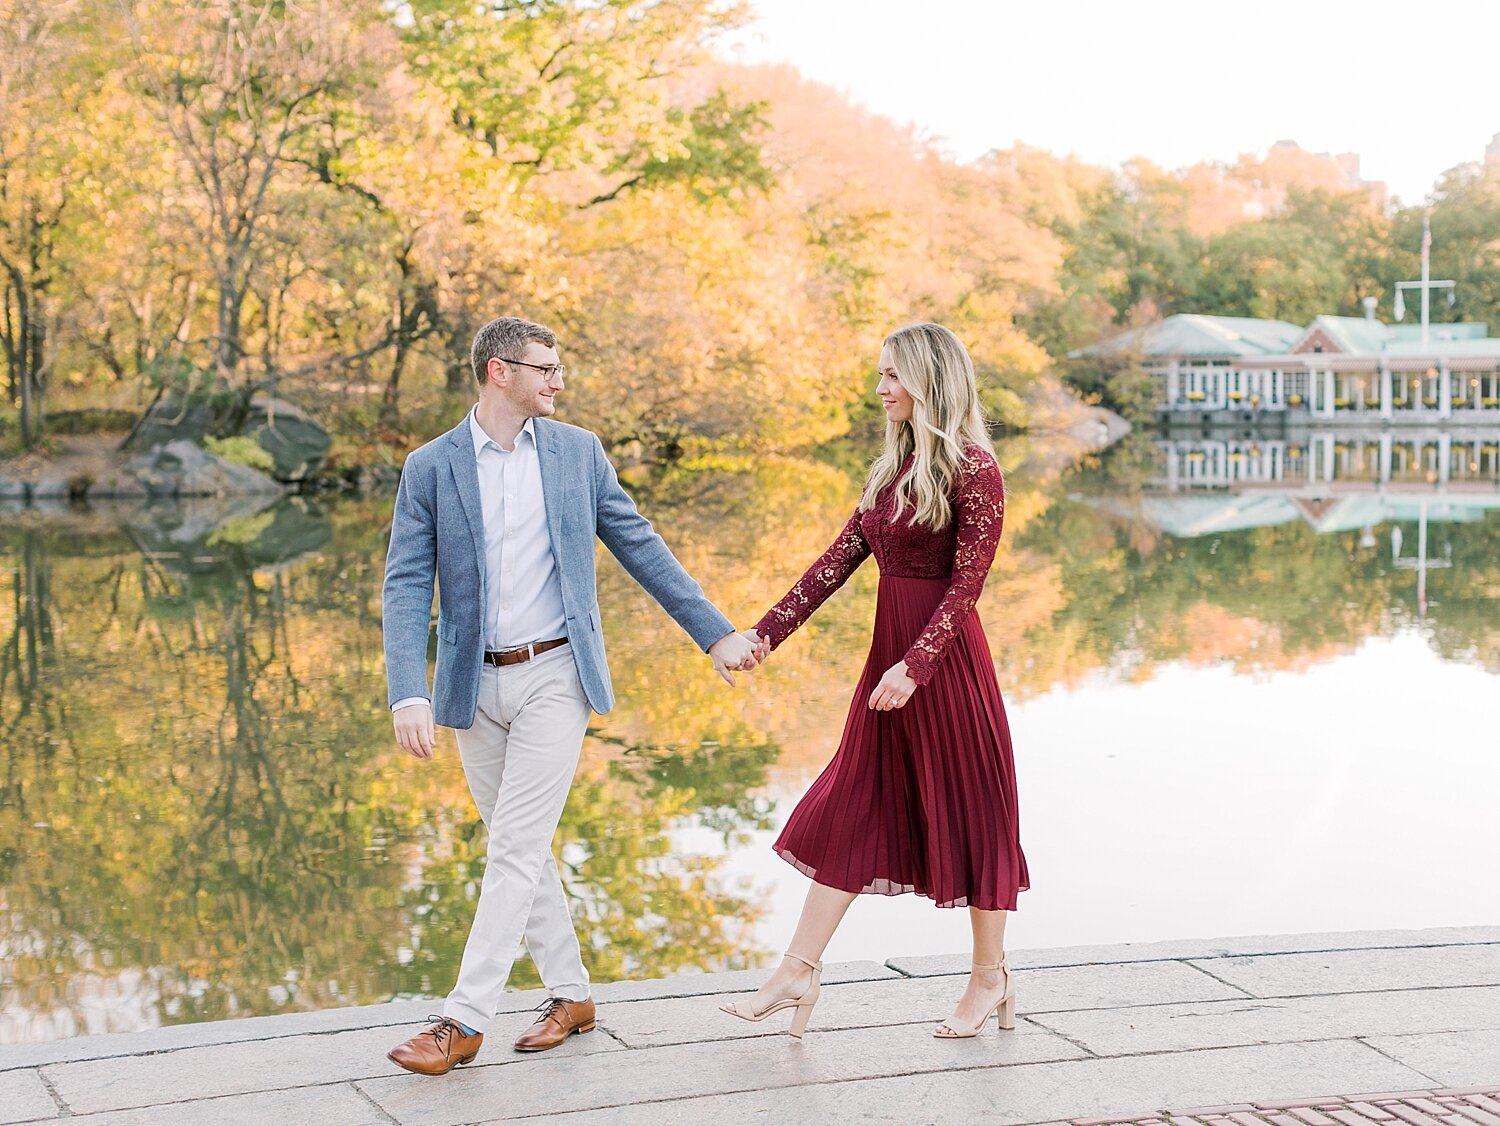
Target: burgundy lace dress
(920,798)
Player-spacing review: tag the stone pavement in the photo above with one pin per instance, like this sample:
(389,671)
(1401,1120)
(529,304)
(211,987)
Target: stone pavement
(1234,1030)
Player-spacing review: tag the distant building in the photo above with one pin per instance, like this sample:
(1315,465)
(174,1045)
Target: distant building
(1492,151)
(1337,369)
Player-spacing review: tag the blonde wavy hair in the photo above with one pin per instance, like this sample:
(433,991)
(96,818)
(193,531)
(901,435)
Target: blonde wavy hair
(934,368)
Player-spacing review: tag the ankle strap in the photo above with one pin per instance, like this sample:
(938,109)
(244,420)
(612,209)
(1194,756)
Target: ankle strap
(804,961)
(1000,965)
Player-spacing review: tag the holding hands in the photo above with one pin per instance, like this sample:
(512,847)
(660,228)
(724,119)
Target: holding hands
(733,651)
(762,644)
(739,652)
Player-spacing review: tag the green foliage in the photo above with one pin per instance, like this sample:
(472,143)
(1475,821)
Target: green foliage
(242,450)
(1277,268)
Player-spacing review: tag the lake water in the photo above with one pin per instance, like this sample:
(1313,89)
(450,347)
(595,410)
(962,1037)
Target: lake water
(1252,690)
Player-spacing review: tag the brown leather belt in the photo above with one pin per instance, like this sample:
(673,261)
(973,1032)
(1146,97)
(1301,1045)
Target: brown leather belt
(525,653)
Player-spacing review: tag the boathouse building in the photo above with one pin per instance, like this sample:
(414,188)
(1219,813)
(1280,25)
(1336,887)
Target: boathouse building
(1337,369)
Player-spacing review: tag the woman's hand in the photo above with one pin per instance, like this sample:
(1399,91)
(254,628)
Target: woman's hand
(762,645)
(894,689)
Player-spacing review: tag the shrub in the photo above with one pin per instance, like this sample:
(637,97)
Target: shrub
(241,450)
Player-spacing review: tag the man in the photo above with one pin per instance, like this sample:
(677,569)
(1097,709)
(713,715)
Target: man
(503,510)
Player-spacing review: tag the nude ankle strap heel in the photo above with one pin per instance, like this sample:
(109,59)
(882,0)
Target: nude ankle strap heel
(803,1003)
(1004,1009)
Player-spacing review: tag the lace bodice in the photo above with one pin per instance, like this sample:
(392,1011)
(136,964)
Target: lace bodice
(961,553)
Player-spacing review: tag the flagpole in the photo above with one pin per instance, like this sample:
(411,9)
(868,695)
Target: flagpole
(1426,285)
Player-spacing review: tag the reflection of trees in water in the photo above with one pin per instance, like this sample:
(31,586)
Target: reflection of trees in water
(198,771)
(641,905)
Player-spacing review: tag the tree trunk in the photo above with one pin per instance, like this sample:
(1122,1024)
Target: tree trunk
(228,352)
(459,374)
(34,404)
(390,400)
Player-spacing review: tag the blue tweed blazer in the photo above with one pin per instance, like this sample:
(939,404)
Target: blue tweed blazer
(437,533)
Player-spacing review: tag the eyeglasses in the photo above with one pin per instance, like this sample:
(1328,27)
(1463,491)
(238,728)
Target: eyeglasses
(549,371)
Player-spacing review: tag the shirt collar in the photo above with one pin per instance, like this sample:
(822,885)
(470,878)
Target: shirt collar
(481,439)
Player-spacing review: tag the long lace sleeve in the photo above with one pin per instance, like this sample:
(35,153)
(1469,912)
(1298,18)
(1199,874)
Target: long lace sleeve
(820,580)
(979,511)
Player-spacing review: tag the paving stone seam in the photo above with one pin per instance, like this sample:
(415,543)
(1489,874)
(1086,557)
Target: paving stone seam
(1209,955)
(1404,1063)
(1240,989)
(1082,1047)
(1352,992)
(191,1099)
(380,1110)
(1454,1105)
(788,1087)
(63,1109)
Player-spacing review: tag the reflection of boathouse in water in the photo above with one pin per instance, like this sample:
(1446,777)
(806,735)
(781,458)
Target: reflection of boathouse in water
(1332,480)
(1341,370)
(1331,462)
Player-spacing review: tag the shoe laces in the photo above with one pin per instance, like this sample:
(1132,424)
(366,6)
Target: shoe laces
(547,1008)
(443,1028)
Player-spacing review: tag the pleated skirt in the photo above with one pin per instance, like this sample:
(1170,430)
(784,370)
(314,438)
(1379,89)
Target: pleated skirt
(923,798)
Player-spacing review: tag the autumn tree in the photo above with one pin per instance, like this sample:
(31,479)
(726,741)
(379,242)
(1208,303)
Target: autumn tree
(240,87)
(39,81)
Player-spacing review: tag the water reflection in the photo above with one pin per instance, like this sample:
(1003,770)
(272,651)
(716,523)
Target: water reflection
(202,815)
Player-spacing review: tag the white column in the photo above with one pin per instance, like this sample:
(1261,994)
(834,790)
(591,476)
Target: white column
(1385,456)
(1385,389)
(1328,394)
(1172,395)
(1445,390)
(1445,456)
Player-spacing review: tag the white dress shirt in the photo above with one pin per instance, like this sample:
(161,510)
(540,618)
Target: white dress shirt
(523,594)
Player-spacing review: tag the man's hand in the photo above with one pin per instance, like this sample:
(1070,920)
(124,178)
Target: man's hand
(414,729)
(894,689)
(732,651)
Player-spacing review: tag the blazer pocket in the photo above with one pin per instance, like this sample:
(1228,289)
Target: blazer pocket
(574,500)
(448,631)
(593,620)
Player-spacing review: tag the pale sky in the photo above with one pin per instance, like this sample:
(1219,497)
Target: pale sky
(1177,81)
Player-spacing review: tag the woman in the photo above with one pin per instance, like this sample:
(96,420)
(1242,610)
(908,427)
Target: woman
(921,793)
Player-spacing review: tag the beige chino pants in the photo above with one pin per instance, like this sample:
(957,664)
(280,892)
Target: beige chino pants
(519,759)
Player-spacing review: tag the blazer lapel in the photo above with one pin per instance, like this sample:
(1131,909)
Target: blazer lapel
(549,462)
(466,478)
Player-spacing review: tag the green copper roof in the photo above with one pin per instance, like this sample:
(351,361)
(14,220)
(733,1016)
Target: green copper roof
(1200,335)
(1362,337)
(1358,335)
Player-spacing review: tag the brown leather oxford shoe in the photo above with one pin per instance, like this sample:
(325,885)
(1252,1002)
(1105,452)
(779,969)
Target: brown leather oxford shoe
(438,1050)
(559,1020)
